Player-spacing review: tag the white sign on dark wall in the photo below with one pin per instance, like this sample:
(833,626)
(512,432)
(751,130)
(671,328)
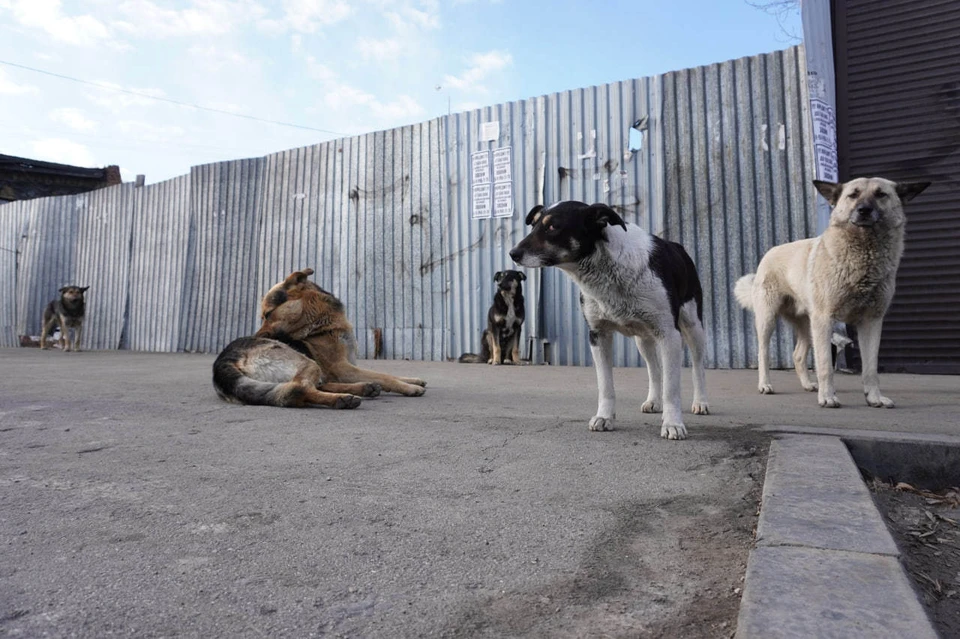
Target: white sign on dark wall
(824,139)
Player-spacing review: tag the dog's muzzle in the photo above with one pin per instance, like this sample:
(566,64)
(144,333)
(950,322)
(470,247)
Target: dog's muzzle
(865,216)
(525,258)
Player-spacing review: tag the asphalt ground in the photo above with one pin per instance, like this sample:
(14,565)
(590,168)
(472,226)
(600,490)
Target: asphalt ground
(133,502)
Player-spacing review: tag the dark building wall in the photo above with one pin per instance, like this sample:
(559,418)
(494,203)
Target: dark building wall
(898,116)
(24,179)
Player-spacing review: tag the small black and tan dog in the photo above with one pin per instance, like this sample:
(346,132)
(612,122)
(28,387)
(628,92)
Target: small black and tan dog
(67,312)
(501,339)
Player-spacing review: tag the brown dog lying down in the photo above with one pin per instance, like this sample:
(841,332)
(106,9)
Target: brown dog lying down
(303,355)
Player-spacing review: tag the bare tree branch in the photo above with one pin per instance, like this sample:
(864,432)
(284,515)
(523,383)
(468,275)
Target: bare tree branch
(781,10)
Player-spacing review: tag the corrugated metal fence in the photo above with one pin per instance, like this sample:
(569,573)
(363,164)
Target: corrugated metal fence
(723,166)
(719,159)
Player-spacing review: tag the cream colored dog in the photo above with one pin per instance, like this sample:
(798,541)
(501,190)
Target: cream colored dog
(847,274)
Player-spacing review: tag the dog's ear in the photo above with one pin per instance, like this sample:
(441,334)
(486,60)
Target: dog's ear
(534,215)
(84,289)
(909,190)
(522,276)
(829,190)
(603,215)
(63,288)
(498,276)
(297,277)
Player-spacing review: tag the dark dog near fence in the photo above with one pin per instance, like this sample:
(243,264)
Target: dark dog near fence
(67,312)
(501,338)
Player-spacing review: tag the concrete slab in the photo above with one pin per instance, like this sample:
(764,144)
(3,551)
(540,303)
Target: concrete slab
(814,496)
(798,593)
(133,502)
(925,403)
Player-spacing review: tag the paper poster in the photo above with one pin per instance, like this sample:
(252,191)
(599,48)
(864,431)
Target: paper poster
(824,139)
(502,165)
(482,201)
(480,167)
(503,199)
(490,131)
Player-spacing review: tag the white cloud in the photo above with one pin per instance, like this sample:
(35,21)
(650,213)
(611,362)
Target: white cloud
(62,151)
(307,16)
(407,18)
(343,97)
(148,131)
(9,87)
(482,66)
(319,71)
(145,18)
(216,58)
(379,50)
(117,100)
(47,16)
(399,111)
(73,118)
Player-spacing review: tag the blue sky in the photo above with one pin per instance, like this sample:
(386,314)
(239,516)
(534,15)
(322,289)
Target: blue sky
(339,67)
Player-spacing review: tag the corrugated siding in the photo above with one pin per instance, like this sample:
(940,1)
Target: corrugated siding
(385,219)
(158,265)
(48,258)
(724,168)
(221,302)
(103,236)
(366,214)
(899,117)
(738,181)
(13,227)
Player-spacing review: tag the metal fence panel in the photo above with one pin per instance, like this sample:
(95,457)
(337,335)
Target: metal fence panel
(104,224)
(366,214)
(158,265)
(47,259)
(221,302)
(13,228)
(720,160)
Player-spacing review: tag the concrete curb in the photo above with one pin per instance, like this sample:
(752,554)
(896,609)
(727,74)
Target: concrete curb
(825,564)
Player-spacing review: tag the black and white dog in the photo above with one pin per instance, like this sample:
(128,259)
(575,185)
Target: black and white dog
(501,339)
(631,282)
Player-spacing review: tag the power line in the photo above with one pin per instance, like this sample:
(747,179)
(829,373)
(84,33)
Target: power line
(177,102)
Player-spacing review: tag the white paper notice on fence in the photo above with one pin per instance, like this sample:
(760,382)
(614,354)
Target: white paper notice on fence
(502,167)
(482,201)
(480,167)
(490,131)
(503,199)
(824,139)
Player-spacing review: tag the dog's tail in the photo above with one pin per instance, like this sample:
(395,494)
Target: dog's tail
(232,385)
(485,353)
(743,291)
